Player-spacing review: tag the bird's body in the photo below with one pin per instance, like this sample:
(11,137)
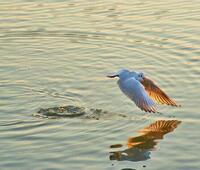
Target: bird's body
(141,90)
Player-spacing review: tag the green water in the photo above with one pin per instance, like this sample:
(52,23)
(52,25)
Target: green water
(58,53)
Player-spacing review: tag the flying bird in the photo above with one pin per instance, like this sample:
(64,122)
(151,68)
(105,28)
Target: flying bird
(142,90)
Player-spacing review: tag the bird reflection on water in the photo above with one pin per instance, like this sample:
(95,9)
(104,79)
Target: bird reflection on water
(139,148)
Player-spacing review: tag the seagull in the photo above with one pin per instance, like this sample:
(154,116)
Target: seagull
(142,90)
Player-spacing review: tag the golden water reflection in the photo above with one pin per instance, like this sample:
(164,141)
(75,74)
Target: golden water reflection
(139,148)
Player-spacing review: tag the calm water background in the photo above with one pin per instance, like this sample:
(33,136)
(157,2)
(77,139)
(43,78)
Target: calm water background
(55,53)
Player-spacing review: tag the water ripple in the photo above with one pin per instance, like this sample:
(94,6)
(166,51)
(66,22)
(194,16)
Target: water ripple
(58,53)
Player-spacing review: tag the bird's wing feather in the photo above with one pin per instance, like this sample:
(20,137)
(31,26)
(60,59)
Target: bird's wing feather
(156,93)
(136,92)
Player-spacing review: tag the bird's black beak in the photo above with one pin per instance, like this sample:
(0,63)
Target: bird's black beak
(112,76)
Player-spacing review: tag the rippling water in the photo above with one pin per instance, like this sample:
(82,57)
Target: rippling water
(57,53)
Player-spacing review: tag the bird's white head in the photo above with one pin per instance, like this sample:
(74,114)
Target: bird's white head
(140,76)
(124,73)
(121,73)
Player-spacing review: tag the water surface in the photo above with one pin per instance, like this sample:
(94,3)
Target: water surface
(58,53)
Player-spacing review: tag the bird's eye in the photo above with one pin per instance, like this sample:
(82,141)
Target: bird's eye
(140,75)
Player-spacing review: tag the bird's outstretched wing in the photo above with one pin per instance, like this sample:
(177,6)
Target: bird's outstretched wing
(136,92)
(156,93)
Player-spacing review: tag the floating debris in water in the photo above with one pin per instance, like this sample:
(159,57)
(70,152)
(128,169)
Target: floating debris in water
(70,111)
(116,146)
(63,111)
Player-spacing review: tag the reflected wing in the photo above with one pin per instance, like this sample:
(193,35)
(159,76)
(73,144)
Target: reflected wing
(150,134)
(136,92)
(161,126)
(156,93)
